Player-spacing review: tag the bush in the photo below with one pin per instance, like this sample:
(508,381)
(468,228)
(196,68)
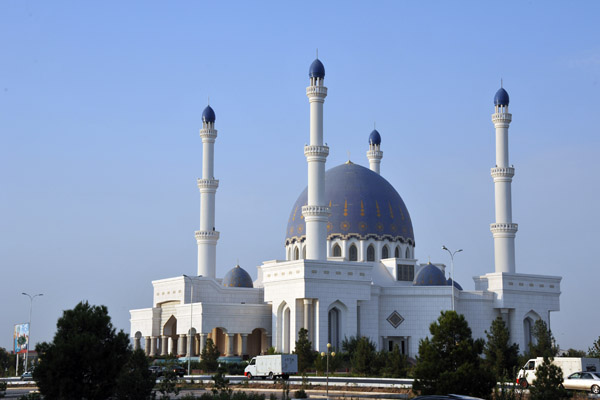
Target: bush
(300,394)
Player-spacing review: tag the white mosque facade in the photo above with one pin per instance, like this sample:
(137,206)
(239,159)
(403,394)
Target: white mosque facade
(349,269)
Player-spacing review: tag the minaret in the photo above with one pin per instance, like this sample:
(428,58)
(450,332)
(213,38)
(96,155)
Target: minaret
(504,230)
(374,154)
(207,236)
(316,212)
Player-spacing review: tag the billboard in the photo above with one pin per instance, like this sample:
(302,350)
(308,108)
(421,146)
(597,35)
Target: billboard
(21,338)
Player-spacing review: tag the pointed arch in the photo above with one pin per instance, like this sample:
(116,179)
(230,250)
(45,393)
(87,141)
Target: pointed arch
(336,314)
(371,253)
(397,252)
(353,253)
(385,252)
(407,254)
(296,253)
(337,250)
(528,323)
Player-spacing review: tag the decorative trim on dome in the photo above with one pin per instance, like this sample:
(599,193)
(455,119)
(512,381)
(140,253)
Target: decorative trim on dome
(357,236)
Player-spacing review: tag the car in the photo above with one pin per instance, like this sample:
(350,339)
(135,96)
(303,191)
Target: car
(584,380)
(178,370)
(27,376)
(157,370)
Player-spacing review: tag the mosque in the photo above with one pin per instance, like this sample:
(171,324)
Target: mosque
(349,269)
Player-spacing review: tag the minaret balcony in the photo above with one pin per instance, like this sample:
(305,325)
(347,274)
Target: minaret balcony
(208,184)
(503,172)
(316,151)
(315,211)
(208,134)
(316,91)
(207,235)
(375,154)
(499,118)
(504,228)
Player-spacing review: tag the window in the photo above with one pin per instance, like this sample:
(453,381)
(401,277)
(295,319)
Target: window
(385,252)
(397,252)
(407,253)
(296,254)
(370,253)
(337,250)
(353,256)
(406,272)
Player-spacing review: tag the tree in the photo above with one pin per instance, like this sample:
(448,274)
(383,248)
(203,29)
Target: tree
(548,382)
(364,357)
(574,353)
(304,351)
(501,357)
(594,351)
(449,361)
(136,381)
(7,362)
(210,356)
(394,363)
(543,344)
(85,357)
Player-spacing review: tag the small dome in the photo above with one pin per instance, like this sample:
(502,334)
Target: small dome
(430,275)
(316,70)
(237,277)
(501,97)
(208,115)
(375,138)
(456,284)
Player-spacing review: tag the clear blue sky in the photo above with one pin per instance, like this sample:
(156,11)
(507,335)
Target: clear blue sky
(100,106)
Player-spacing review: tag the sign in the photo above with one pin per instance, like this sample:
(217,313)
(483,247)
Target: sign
(21,338)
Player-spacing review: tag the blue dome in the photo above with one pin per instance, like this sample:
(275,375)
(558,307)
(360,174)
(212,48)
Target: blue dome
(501,97)
(208,115)
(363,205)
(317,69)
(430,275)
(456,284)
(237,277)
(375,138)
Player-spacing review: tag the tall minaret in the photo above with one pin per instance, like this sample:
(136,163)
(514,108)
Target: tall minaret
(504,230)
(316,212)
(374,154)
(207,236)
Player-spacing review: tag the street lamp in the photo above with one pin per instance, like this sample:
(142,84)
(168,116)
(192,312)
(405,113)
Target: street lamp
(191,324)
(30,308)
(323,354)
(452,269)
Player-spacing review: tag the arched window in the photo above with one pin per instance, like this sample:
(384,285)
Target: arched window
(385,252)
(296,254)
(333,318)
(397,252)
(353,253)
(407,253)
(337,250)
(370,253)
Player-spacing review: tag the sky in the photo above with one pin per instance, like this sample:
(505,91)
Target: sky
(101,102)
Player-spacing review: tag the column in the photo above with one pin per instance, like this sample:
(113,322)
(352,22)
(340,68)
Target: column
(164,345)
(308,317)
(244,344)
(136,343)
(153,346)
(181,345)
(191,348)
(202,343)
(229,351)
(147,345)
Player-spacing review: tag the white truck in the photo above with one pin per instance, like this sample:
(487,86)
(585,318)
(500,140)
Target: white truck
(568,365)
(272,367)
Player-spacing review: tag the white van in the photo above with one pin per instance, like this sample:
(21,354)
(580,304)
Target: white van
(568,365)
(272,367)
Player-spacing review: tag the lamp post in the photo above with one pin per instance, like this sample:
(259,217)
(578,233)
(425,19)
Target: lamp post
(452,269)
(191,324)
(30,308)
(323,354)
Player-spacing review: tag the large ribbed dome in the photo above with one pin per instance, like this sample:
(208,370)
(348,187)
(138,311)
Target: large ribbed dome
(237,277)
(363,205)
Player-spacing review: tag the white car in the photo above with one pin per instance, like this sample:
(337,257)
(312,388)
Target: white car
(583,381)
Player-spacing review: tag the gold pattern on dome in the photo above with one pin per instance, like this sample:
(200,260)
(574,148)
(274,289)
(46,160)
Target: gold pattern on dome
(379,227)
(329,203)
(291,230)
(391,212)
(401,212)
(302,216)
(329,226)
(362,226)
(345,208)
(294,216)
(378,211)
(404,230)
(393,228)
(345,225)
(362,209)
(300,229)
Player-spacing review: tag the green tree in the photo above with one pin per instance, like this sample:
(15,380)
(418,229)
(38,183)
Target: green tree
(364,357)
(594,351)
(306,355)
(210,356)
(7,362)
(85,358)
(450,362)
(394,364)
(548,382)
(136,381)
(543,344)
(574,353)
(501,357)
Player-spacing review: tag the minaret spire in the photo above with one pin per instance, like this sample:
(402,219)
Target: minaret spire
(207,236)
(374,154)
(503,230)
(316,212)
